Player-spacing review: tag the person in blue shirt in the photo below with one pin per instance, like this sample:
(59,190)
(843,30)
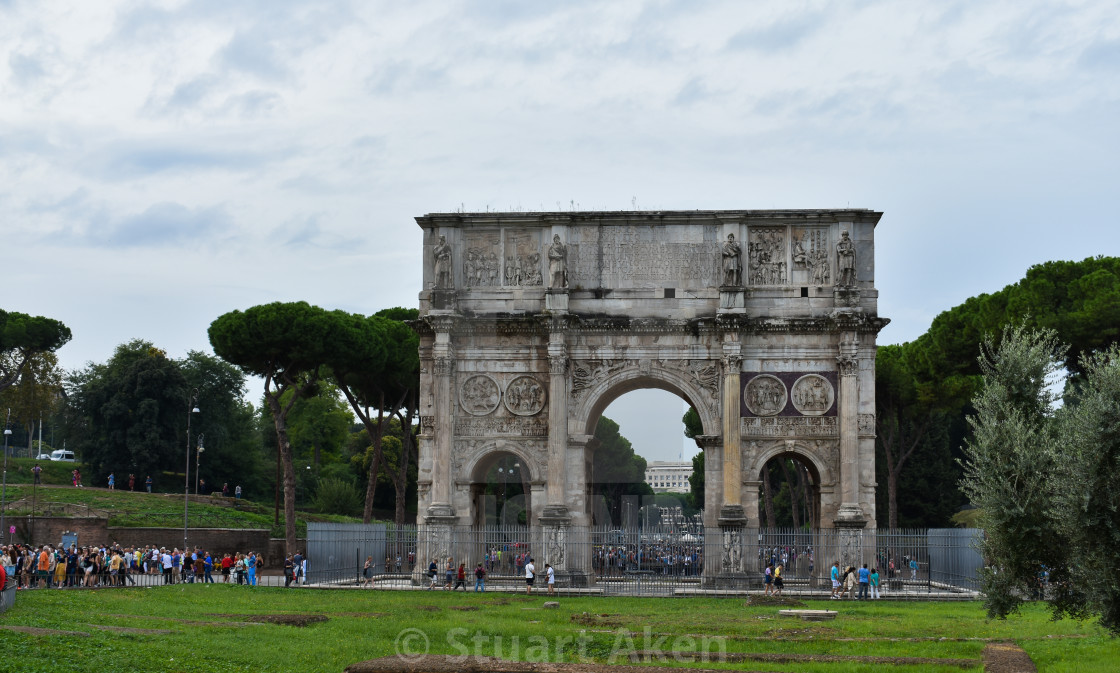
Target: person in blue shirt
(864,582)
(835,580)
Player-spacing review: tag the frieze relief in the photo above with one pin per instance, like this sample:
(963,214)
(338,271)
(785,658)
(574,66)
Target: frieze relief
(767,253)
(494,426)
(790,426)
(523,260)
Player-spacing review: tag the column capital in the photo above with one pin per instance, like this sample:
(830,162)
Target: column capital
(709,441)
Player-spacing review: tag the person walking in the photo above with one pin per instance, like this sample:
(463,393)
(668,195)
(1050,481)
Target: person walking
(449,574)
(779,583)
(550,574)
(36,471)
(835,575)
(530,575)
(768,579)
(131,481)
(874,581)
(480,578)
(237,492)
(112,480)
(433,571)
(288,567)
(148,483)
(461,578)
(367,571)
(251,568)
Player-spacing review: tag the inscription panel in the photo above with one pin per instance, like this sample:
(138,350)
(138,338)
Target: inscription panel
(636,256)
(790,426)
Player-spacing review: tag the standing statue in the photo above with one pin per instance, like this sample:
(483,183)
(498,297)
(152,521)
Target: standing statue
(732,262)
(443,263)
(846,253)
(557,263)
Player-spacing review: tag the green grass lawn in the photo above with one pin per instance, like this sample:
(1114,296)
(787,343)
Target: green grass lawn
(208,631)
(139,508)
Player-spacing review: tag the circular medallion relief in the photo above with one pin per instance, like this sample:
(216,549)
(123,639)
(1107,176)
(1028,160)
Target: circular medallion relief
(479,395)
(524,396)
(812,395)
(765,395)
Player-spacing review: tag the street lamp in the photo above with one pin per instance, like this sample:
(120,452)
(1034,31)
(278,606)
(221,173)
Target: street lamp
(4,489)
(197,456)
(192,408)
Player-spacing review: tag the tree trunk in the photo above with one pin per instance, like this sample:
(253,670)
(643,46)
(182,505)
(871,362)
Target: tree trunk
(768,497)
(374,433)
(400,480)
(284,451)
(795,510)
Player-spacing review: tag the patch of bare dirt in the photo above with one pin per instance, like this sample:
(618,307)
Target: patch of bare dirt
(1007,658)
(465,608)
(129,629)
(783,658)
(451,664)
(283,619)
(429,608)
(362,615)
(35,631)
(774,601)
(590,619)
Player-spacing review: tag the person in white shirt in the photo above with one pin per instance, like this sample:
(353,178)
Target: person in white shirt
(530,575)
(551,578)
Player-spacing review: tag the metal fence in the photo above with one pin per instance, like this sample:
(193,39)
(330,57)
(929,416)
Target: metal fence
(612,561)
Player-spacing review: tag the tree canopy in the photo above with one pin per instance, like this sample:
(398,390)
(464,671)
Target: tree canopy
(21,337)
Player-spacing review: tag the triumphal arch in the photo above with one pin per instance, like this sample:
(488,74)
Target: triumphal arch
(765,321)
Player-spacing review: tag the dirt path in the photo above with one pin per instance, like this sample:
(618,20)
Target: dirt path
(1007,658)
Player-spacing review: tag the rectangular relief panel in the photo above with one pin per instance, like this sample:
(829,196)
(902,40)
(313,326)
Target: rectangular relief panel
(482,261)
(523,259)
(767,255)
(812,257)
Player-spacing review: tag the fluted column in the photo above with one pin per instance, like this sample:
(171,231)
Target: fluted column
(443,357)
(731,510)
(848,364)
(555,489)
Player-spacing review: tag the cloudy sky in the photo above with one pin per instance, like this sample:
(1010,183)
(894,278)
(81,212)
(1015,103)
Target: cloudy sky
(162,163)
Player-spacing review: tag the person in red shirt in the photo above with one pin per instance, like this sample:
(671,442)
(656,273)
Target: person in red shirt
(227,563)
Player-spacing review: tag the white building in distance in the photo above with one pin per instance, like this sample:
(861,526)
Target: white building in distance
(669,476)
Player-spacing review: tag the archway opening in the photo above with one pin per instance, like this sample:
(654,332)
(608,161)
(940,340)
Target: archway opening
(500,492)
(639,469)
(789,493)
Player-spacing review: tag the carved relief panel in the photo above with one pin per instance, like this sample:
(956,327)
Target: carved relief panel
(811,254)
(479,395)
(767,252)
(523,259)
(482,264)
(501,405)
(525,396)
(788,394)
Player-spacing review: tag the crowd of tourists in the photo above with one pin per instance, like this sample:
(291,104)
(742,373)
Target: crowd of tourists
(48,567)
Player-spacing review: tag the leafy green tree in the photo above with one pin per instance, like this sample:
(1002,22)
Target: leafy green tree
(1086,505)
(23,336)
(226,422)
(36,394)
(1010,465)
(286,344)
(319,426)
(693,428)
(129,413)
(616,470)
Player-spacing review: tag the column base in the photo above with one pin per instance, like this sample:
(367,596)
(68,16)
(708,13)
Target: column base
(555,515)
(732,515)
(850,516)
(438,512)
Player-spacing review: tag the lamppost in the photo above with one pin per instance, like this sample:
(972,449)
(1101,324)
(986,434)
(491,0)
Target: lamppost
(197,457)
(506,474)
(4,488)
(192,408)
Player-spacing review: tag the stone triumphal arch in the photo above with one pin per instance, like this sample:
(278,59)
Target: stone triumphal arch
(532,323)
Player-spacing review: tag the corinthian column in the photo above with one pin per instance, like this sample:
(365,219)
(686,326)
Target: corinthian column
(556,511)
(731,512)
(847,362)
(443,369)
